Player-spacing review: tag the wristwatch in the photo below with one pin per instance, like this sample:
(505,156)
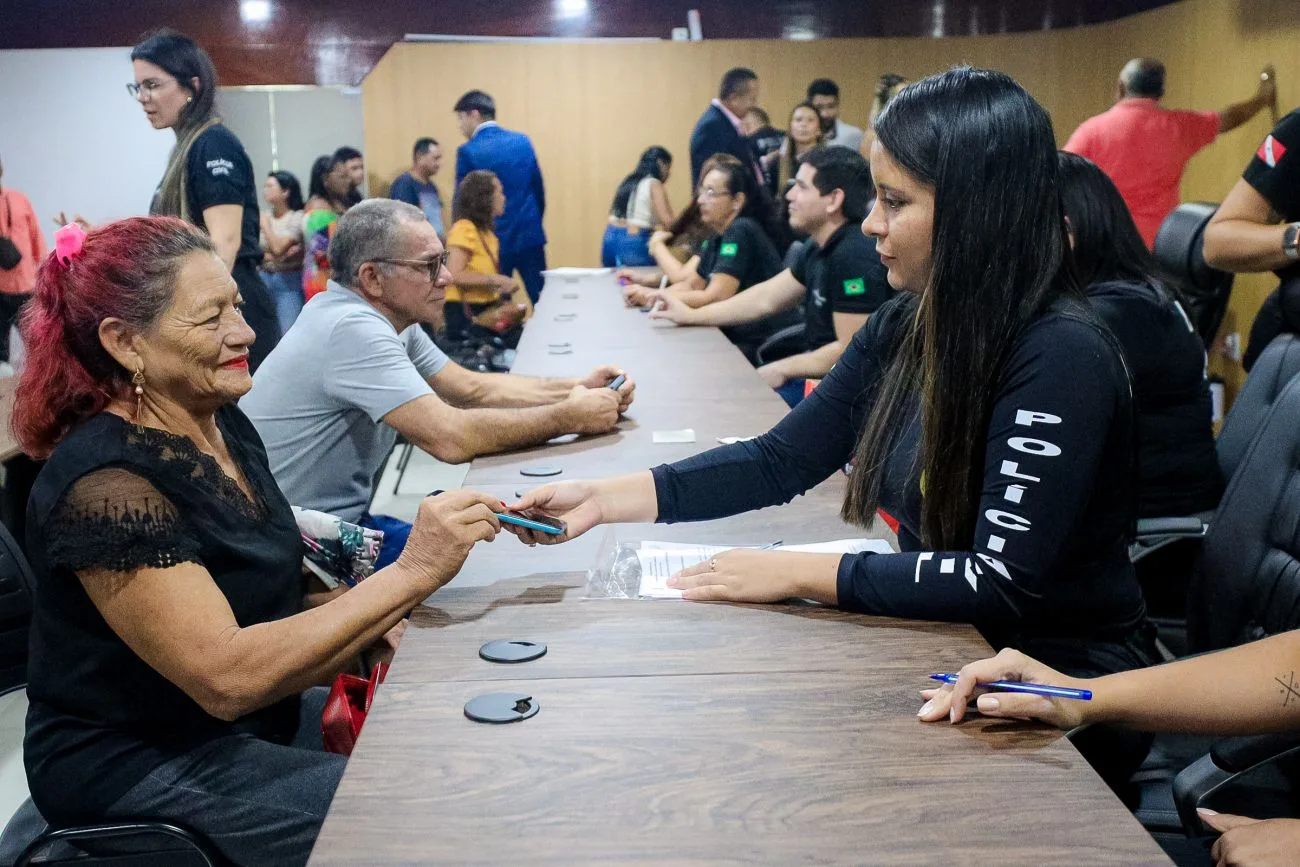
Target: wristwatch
(1291,241)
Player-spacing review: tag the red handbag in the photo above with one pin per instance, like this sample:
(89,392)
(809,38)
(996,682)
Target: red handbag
(346,708)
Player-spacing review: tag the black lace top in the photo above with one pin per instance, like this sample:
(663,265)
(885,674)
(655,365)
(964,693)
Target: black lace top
(116,498)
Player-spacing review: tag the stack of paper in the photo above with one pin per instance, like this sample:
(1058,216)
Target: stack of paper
(659,561)
(575,273)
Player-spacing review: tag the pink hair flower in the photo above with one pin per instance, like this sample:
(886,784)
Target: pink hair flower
(68,242)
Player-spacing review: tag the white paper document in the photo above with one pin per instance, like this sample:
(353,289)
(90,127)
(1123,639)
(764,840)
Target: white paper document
(685,435)
(577,272)
(659,561)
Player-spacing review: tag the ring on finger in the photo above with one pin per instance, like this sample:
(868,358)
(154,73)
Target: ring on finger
(713,565)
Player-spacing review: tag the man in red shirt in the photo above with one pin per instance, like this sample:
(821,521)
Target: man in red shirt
(1144,148)
(19,225)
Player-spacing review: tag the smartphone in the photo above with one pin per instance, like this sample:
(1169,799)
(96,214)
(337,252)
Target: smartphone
(541,523)
(618,382)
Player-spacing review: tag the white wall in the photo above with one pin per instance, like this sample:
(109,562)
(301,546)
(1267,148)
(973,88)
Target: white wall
(73,139)
(308,123)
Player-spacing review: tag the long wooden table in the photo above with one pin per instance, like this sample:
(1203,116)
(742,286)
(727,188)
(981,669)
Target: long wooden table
(681,733)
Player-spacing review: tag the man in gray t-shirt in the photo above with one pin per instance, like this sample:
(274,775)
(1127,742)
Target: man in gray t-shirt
(356,369)
(320,405)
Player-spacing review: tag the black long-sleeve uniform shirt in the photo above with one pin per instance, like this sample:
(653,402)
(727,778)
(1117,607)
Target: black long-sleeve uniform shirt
(1049,559)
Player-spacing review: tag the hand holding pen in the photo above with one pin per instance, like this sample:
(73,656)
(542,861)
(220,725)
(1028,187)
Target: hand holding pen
(1023,688)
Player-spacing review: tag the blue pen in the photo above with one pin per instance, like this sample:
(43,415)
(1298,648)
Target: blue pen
(1030,688)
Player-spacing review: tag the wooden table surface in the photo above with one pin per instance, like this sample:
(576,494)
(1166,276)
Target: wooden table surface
(679,733)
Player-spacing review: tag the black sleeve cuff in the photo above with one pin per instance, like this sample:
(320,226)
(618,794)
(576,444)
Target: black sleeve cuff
(845,597)
(667,508)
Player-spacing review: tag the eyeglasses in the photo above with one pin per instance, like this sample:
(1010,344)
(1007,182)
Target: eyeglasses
(708,194)
(146,87)
(432,267)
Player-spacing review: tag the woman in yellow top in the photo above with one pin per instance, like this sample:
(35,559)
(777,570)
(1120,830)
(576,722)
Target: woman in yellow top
(475,260)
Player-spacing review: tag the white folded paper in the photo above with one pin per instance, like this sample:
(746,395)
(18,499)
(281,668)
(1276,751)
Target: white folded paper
(577,272)
(659,561)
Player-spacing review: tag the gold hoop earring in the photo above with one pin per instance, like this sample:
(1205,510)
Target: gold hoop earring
(137,380)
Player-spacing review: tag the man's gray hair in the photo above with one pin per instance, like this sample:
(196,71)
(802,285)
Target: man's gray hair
(369,231)
(1143,77)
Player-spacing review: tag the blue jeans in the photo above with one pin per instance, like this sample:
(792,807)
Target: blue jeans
(634,250)
(396,532)
(530,263)
(609,246)
(286,292)
(791,392)
(256,801)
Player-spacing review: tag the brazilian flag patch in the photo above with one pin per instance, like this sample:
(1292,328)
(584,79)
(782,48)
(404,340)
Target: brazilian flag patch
(727,250)
(855,287)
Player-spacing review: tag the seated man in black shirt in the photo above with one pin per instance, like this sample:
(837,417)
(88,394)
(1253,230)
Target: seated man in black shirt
(1245,236)
(838,276)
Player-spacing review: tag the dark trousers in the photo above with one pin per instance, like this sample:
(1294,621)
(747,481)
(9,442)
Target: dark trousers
(258,802)
(259,311)
(396,532)
(530,263)
(11,304)
(792,392)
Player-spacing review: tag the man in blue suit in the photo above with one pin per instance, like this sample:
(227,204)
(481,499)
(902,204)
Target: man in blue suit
(718,129)
(510,156)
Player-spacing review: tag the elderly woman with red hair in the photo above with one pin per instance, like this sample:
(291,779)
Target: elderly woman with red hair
(171,652)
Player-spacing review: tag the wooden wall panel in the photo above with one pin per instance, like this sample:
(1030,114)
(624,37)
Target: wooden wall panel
(592,107)
(1214,50)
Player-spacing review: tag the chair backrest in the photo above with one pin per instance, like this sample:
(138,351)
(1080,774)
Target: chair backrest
(792,254)
(1179,248)
(1277,365)
(1248,585)
(15,612)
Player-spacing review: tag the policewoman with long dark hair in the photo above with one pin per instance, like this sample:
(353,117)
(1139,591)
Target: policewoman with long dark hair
(209,178)
(986,407)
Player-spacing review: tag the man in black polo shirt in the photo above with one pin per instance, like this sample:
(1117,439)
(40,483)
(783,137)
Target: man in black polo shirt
(839,276)
(1244,234)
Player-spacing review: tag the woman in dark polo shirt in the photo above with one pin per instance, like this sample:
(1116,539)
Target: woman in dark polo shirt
(1244,234)
(209,178)
(738,254)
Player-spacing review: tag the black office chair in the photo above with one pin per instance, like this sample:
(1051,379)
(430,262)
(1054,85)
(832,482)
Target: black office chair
(786,341)
(1248,587)
(28,838)
(781,344)
(792,253)
(1179,248)
(1277,366)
